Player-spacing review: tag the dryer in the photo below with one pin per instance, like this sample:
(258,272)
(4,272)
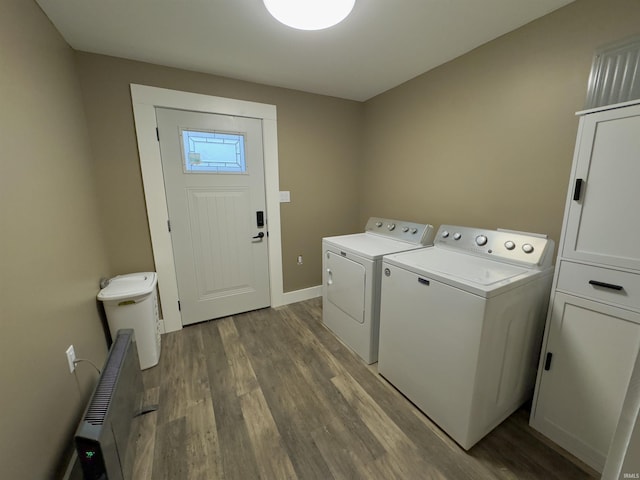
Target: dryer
(461,325)
(351,266)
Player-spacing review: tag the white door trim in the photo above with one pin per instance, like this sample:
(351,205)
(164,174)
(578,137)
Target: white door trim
(145,99)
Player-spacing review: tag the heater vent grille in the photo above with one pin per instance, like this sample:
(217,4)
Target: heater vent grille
(615,74)
(101,400)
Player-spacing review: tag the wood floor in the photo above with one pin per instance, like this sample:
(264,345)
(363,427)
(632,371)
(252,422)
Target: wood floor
(272,394)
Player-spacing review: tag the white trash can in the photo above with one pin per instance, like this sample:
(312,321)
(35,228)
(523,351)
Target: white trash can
(131,301)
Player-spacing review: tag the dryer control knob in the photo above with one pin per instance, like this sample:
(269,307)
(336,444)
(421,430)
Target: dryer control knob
(527,248)
(509,245)
(378,224)
(414,230)
(481,240)
(391,226)
(445,234)
(457,236)
(405,229)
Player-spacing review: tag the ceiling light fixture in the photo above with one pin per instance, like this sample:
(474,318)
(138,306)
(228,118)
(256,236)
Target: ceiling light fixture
(310,14)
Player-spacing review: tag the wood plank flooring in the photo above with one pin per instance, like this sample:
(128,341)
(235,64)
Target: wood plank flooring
(273,394)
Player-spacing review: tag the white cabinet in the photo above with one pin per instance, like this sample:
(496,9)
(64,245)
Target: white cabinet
(592,336)
(603,208)
(587,365)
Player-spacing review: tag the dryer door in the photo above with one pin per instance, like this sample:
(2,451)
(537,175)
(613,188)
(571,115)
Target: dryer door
(345,285)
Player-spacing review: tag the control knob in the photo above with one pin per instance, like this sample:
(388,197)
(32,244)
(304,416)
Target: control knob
(457,236)
(391,226)
(405,229)
(481,240)
(378,224)
(527,248)
(414,231)
(444,234)
(509,245)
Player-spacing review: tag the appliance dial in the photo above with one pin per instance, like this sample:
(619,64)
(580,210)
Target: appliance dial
(391,226)
(405,229)
(378,224)
(527,248)
(414,230)
(481,240)
(509,245)
(445,234)
(457,236)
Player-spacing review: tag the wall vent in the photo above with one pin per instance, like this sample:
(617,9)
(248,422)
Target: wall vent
(103,394)
(615,74)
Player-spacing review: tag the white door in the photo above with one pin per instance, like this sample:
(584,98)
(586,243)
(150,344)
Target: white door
(214,180)
(587,365)
(602,223)
(346,285)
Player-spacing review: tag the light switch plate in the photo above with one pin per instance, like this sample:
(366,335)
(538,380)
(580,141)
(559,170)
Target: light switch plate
(285,197)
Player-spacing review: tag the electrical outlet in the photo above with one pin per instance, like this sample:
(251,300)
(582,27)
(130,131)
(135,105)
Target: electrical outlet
(299,259)
(71,358)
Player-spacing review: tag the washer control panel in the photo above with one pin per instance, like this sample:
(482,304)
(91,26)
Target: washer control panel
(416,233)
(506,245)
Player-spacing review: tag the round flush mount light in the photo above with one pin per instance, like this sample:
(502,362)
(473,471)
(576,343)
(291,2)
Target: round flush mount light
(310,14)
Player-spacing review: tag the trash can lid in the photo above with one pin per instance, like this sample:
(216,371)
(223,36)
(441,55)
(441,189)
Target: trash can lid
(131,285)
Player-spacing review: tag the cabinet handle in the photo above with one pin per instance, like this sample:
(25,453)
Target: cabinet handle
(576,189)
(547,361)
(596,283)
(423,281)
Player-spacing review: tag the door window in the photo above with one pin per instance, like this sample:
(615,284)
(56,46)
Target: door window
(212,152)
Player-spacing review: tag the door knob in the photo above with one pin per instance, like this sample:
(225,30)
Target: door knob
(259,235)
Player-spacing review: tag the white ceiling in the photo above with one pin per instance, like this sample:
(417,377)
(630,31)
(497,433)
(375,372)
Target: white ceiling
(380,45)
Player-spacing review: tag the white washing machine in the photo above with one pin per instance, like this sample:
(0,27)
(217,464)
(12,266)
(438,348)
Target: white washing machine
(461,325)
(351,266)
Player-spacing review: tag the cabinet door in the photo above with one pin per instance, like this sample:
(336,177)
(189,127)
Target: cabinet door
(589,357)
(345,285)
(602,221)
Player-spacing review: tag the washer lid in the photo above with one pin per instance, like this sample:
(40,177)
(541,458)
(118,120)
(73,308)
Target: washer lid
(368,245)
(128,286)
(468,272)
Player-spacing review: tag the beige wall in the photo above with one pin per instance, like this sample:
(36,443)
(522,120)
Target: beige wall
(487,139)
(52,254)
(319,143)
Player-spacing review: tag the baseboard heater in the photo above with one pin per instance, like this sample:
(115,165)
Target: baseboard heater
(106,437)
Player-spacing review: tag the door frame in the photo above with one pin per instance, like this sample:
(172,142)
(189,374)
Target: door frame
(145,99)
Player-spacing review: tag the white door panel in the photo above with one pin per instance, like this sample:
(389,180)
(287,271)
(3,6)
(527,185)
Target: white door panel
(346,285)
(609,167)
(221,268)
(585,377)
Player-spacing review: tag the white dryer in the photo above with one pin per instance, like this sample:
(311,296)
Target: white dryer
(351,266)
(461,325)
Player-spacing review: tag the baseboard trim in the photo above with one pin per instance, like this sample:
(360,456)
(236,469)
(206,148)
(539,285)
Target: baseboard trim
(301,295)
(285,299)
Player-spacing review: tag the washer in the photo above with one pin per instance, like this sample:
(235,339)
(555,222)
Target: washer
(351,266)
(461,325)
